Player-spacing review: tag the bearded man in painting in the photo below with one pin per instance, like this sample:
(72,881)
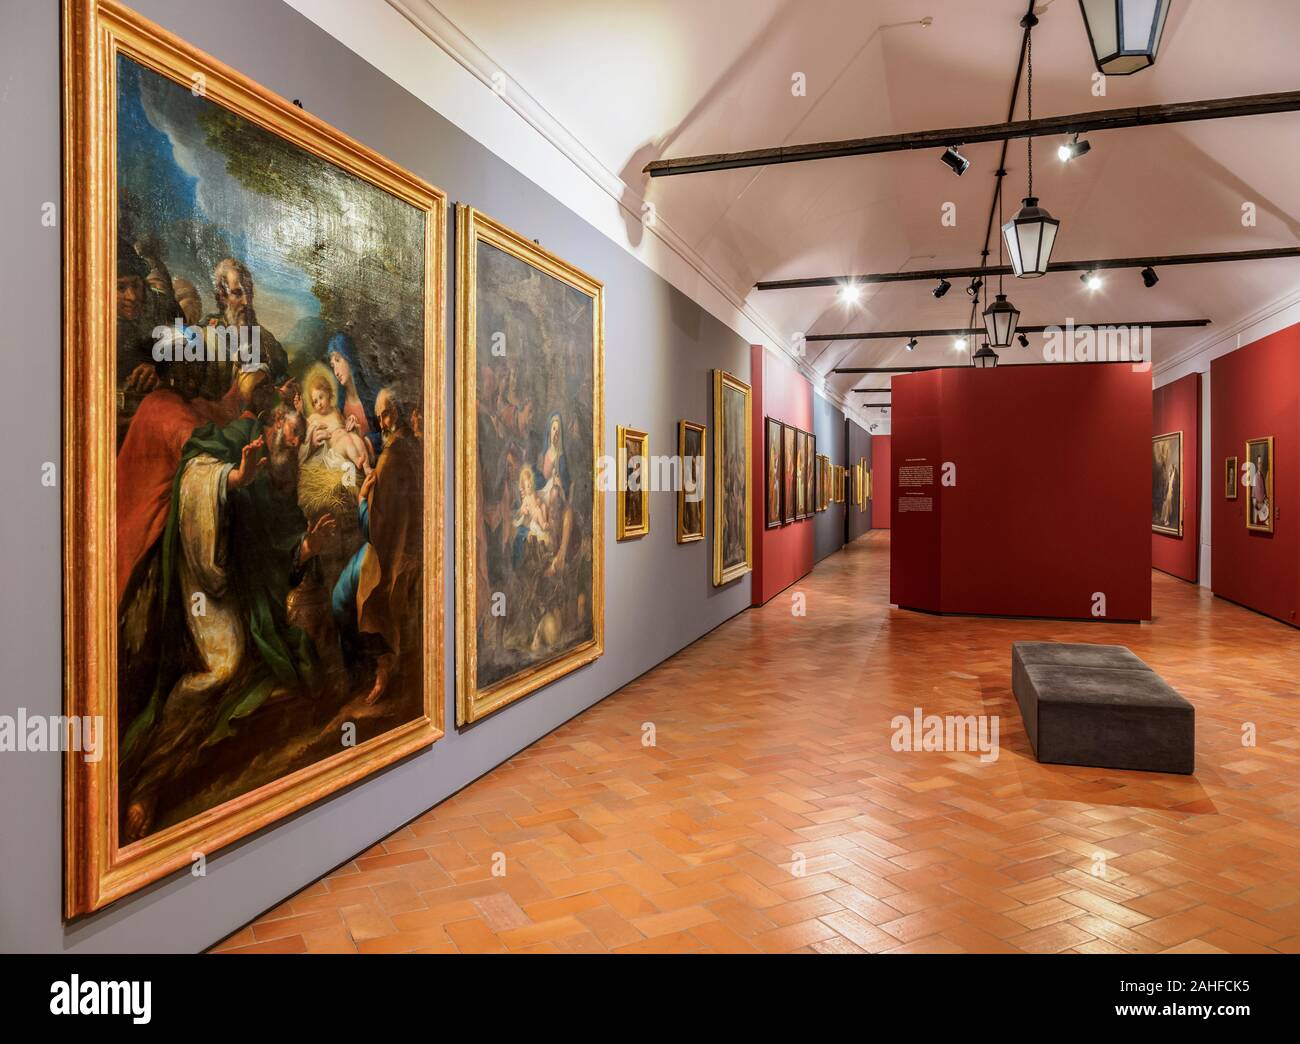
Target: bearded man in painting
(232,283)
(377,597)
(235,545)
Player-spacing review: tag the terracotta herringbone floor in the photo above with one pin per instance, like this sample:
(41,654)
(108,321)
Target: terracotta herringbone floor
(773,815)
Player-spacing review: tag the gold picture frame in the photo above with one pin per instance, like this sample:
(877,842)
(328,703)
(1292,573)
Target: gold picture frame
(1230,478)
(689,527)
(1261,510)
(633,515)
(1167,498)
(473,701)
(732,506)
(99,870)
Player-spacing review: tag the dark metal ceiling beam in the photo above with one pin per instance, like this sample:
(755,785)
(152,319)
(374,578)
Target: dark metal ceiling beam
(967,366)
(1046,126)
(973,331)
(1101,264)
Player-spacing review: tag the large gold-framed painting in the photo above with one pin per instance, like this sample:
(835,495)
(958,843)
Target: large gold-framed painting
(733,437)
(253,425)
(1260,509)
(1167,484)
(530,546)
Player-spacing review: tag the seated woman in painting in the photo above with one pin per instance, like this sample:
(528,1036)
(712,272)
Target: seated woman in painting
(356,398)
(326,428)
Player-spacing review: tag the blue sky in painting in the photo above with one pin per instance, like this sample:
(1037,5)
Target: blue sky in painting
(182,193)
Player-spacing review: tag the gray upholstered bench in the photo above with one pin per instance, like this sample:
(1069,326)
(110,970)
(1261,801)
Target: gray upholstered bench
(1100,705)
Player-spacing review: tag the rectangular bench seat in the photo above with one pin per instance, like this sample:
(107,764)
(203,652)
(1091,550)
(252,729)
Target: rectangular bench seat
(1100,705)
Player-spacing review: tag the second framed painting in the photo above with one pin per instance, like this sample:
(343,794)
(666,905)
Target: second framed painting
(733,550)
(530,421)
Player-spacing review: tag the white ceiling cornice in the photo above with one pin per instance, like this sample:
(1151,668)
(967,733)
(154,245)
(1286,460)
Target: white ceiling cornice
(456,44)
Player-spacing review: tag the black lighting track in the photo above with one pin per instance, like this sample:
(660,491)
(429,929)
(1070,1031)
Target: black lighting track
(974,331)
(953,137)
(935,274)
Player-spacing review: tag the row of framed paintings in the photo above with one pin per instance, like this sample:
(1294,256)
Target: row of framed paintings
(796,483)
(1255,473)
(638,472)
(253,588)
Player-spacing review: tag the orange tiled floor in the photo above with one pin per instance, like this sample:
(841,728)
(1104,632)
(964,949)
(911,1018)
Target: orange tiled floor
(773,755)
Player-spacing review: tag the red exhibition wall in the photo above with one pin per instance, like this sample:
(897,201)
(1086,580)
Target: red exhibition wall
(881,482)
(784,554)
(1049,501)
(1254,393)
(1177,407)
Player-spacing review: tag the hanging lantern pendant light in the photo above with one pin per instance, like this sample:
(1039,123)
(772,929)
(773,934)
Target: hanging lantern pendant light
(1124,34)
(1031,234)
(1000,319)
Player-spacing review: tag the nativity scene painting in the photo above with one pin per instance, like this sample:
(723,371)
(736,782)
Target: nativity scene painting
(530,547)
(273,348)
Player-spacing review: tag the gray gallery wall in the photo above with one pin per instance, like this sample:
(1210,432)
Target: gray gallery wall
(828,427)
(659,349)
(859,446)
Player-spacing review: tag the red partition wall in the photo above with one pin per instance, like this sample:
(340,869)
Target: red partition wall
(1177,407)
(784,554)
(1049,501)
(1255,392)
(881,481)
(915,546)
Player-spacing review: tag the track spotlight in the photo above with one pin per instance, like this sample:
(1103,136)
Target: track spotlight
(960,344)
(1024,341)
(956,162)
(1149,277)
(1091,280)
(975,284)
(943,287)
(849,293)
(911,344)
(1072,149)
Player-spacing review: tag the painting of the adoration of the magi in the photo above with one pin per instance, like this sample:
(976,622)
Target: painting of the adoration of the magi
(530,550)
(268,356)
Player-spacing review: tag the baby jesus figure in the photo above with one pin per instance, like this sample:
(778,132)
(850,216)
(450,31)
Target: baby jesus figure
(326,427)
(532,520)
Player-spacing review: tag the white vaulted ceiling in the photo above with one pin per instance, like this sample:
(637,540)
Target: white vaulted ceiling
(636,80)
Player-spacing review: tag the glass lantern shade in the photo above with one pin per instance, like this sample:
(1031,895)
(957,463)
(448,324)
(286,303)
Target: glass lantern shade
(986,358)
(1029,237)
(1124,34)
(1000,319)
